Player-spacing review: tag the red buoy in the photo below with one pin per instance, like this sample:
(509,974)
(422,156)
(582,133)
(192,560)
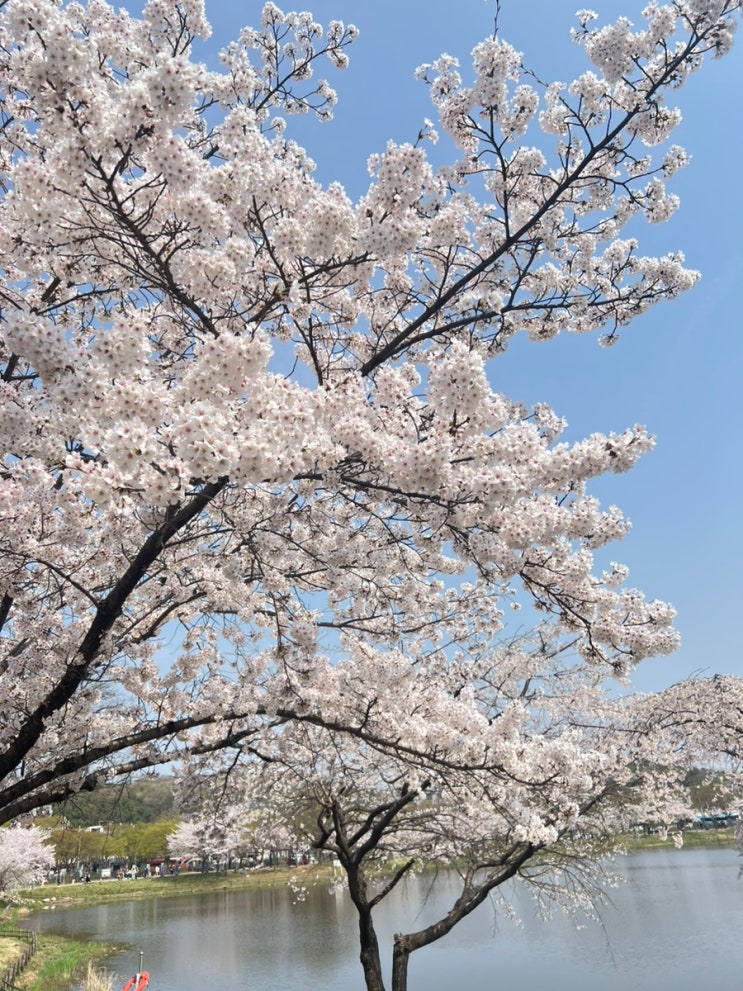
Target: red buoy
(138,983)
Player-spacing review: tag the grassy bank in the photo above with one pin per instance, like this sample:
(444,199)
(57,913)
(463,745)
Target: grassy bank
(59,963)
(694,839)
(101,892)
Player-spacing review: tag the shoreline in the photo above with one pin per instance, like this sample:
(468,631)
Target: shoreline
(60,962)
(50,896)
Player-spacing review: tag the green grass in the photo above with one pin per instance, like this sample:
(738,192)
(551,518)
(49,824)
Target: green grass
(59,962)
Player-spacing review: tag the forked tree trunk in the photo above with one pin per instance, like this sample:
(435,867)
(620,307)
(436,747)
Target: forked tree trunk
(400,958)
(405,944)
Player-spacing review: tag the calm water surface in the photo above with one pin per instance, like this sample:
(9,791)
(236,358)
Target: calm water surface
(677,924)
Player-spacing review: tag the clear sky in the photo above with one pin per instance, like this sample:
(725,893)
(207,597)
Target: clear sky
(678,370)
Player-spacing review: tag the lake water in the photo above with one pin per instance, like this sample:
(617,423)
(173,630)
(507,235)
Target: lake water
(677,924)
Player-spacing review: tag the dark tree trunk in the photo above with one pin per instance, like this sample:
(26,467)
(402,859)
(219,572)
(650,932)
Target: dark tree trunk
(369,955)
(400,958)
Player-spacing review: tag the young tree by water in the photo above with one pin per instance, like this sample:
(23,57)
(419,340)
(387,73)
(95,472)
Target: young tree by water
(253,458)
(534,776)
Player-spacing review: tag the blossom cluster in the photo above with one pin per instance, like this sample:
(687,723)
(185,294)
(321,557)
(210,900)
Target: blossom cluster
(25,857)
(254,461)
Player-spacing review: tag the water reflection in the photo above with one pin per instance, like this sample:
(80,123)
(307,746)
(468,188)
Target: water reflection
(676,924)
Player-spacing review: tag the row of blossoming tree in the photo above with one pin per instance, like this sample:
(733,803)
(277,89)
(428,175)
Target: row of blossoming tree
(260,507)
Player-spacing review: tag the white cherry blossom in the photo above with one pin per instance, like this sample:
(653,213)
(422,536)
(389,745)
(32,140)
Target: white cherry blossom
(256,472)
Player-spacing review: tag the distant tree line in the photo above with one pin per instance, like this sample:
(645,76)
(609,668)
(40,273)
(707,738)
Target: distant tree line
(143,800)
(133,843)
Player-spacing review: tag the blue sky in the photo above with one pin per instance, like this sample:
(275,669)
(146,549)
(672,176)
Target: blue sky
(678,370)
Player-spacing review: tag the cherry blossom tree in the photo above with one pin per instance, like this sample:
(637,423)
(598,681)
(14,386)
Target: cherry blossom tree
(202,839)
(227,829)
(699,723)
(25,857)
(255,469)
(531,772)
